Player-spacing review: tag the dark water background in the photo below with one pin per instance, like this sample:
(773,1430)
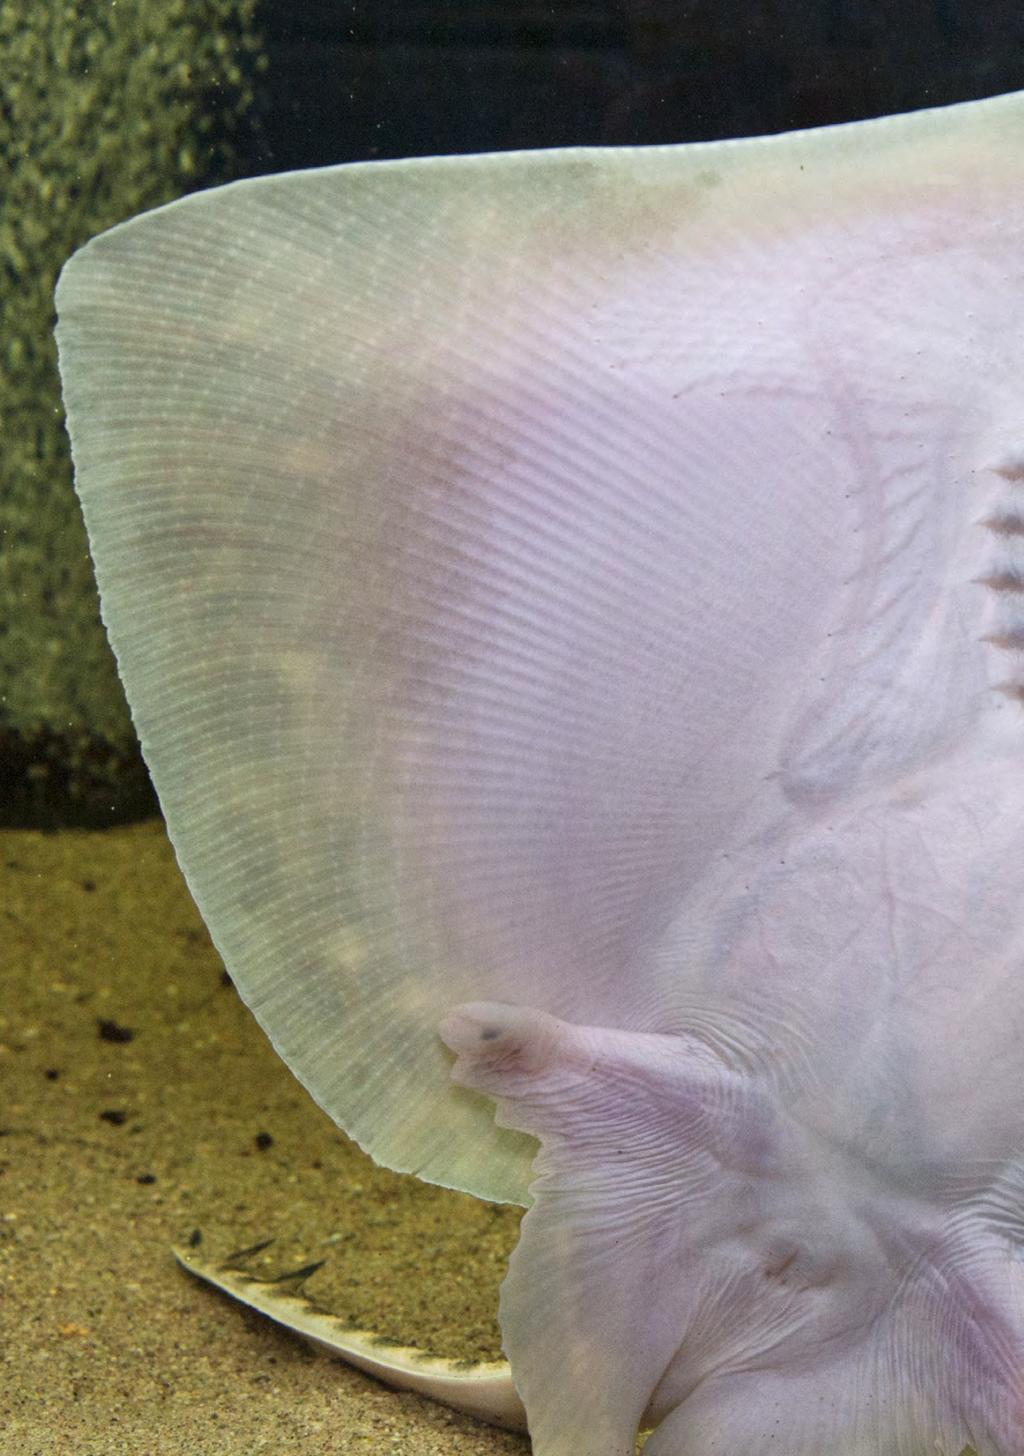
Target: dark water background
(389,78)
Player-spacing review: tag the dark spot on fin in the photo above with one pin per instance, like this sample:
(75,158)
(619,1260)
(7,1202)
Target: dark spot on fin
(1012,467)
(247,1253)
(1004,581)
(1008,525)
(1012,640)
(297,1275)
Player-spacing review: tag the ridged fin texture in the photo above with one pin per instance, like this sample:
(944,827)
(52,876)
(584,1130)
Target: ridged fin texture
(495,548)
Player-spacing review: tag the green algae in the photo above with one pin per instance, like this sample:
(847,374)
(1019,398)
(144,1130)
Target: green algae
(106,109)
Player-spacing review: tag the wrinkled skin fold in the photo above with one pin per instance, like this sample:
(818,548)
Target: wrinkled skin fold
(798,1257)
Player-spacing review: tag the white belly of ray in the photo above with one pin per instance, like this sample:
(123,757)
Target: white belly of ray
(572,605)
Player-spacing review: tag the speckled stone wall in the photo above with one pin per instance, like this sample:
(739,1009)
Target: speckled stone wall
(105,110)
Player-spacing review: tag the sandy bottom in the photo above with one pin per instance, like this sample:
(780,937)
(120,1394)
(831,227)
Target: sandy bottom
(139,1102)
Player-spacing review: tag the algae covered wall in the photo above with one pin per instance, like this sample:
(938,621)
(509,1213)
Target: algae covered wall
(107,107)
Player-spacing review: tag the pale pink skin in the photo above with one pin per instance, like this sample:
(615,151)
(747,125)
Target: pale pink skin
(799,1220)
(709,1263)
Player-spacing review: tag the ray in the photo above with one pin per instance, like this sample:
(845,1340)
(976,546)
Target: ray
(571,605)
